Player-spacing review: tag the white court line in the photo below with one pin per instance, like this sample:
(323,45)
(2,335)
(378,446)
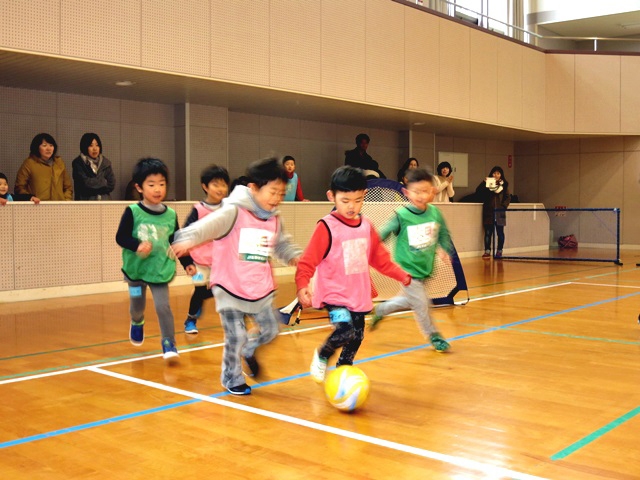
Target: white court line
(493,471)
(520,291)
(606,285)
(137,359)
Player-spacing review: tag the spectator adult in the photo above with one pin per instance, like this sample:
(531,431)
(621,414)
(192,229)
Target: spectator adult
(494,194)
(93,177)
(43,174)
(443,183)
(408,165)
(359,158)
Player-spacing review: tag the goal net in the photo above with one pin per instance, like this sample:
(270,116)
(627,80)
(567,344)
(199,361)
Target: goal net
(574,234)
(447,284)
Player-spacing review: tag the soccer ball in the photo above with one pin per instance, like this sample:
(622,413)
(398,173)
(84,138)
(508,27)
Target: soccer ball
(347,388)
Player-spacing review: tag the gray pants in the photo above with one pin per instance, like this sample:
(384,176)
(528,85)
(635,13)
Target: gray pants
(138,301)
(238,344)
(414,298)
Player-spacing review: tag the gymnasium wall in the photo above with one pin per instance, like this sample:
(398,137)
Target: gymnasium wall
(599,172)
(61,249)
(374,51)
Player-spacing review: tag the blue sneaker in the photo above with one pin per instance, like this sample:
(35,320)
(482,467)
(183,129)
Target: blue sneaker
(136,333)
(190,326)
(243,389)
(169,350)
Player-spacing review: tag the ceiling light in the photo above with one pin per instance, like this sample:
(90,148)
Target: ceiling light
(125,83)
(418,124)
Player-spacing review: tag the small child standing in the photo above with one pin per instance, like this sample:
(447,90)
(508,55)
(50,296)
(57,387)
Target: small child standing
(420,228)
(145,233)
(214,181)
(5,196)
(342,247)
(294,187)
(247,231)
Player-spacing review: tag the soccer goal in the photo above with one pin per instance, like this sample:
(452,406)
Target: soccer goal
(566,234)
(447,284)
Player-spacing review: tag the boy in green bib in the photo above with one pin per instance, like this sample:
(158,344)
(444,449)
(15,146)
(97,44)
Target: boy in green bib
(420,228)
(146,230)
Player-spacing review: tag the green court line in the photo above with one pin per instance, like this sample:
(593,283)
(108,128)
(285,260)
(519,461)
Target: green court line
(565,335)
(595,435)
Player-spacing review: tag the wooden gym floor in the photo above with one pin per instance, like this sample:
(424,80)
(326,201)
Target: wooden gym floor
(542,382)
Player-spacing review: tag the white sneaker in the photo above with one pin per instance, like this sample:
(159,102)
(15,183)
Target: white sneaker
(318,368)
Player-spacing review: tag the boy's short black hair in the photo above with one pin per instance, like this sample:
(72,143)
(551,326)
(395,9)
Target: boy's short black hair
(266,170)
(214,172)
(348,179)
(414,175)
(241,180)
(86,140)
(2,175)
(34,149)
(287,158)
(149,166)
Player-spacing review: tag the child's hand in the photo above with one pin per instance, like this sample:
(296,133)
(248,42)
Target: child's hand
(294,262)
(35,200)
(144,249)
(178,250)
(191,270)
(3,201)
(304,297)
(444,256)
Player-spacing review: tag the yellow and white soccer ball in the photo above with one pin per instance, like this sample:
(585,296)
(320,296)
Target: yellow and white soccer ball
(347,388)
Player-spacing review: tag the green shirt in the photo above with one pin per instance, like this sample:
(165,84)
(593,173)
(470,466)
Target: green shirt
(419,234)
(157,267)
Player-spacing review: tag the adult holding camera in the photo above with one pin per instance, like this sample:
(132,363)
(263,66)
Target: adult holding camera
(493,192)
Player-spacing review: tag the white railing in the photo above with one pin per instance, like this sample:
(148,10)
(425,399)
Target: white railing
(516,32)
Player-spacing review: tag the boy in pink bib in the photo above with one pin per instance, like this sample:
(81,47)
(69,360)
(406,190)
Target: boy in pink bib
(341,249)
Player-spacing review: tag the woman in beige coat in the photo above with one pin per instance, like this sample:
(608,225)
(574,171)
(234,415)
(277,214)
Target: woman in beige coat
(43,174)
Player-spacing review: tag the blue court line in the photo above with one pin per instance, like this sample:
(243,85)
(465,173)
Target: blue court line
(119,418)
(595,435)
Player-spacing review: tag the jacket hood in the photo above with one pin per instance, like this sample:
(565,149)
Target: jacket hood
(242,197)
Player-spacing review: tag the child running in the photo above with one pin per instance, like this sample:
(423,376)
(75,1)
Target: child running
(145,233)
(214,181)
(247,230)
(343,246)
(420,228)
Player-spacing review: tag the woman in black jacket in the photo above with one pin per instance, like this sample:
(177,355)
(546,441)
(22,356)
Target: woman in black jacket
(93,177)
(493,192)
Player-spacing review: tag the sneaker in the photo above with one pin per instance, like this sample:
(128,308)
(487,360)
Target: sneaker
(498,254)
(374,320)
(439,343)
(486,256)
(253,368)
(190,326)
(318,367)
(243,389)
(169,350)
(136,333)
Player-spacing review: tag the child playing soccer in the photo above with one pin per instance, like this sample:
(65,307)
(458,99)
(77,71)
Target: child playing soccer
(342,247)
(247,230)
(215,183)
(420,228)
(145,233)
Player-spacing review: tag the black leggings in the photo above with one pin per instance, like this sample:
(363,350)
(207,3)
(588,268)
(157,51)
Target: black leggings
(348,335)
(488,233)
(200,294)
